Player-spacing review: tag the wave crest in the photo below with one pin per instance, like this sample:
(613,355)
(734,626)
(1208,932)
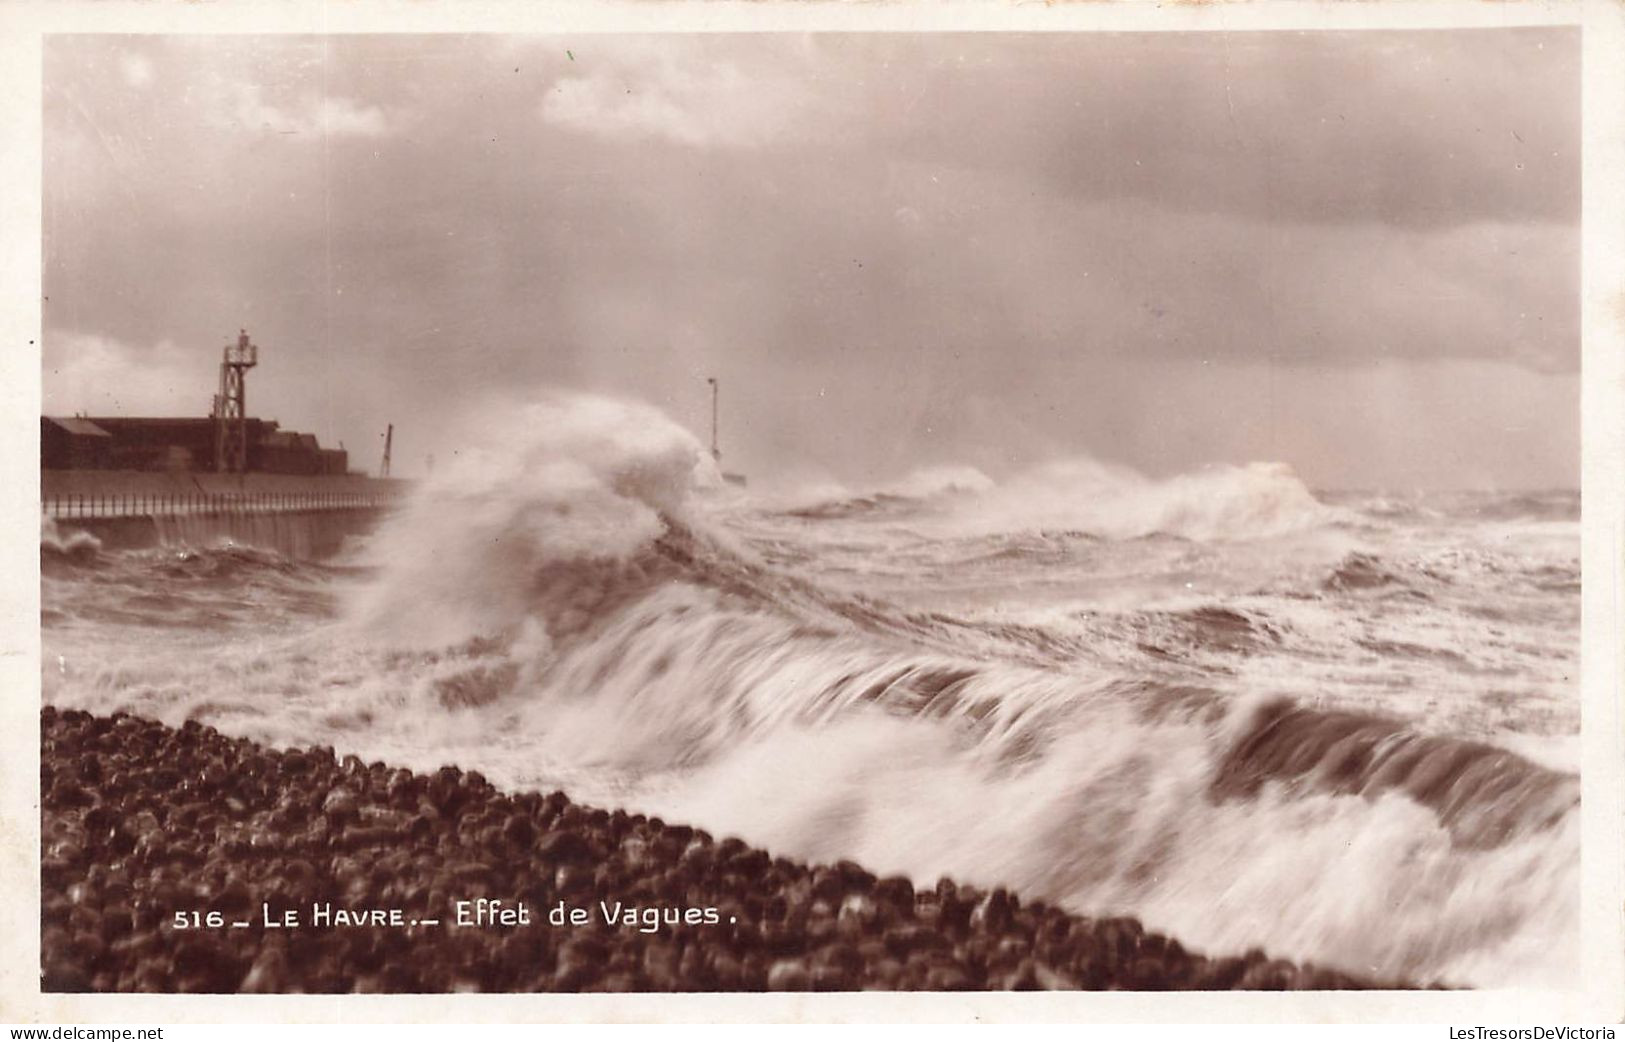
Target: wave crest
(581,485)
(73,547)
(1219,503)
(1089,497)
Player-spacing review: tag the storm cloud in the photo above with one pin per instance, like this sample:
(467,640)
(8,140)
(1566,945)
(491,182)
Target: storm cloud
(1355,252)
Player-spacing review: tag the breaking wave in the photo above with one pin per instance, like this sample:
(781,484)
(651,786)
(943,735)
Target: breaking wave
(72,547)
(1085,496)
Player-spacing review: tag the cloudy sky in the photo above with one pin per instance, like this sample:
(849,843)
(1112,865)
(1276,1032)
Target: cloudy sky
(1356,253)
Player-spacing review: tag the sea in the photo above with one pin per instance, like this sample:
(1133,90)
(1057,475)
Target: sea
(1340,726)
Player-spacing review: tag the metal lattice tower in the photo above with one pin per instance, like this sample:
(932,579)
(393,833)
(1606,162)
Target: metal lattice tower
(389,442)
(231,406)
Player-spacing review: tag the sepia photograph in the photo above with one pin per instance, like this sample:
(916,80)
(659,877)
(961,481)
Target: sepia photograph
(727,512)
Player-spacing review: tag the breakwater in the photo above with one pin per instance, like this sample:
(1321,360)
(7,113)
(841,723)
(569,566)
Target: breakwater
(141,821)
(303,517)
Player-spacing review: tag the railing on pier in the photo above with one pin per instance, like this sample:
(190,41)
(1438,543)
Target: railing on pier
(183,504)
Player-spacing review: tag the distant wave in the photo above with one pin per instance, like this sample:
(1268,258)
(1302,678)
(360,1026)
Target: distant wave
(1562,505)
(1360,572)
(854,506)
(1085,496)
(1446,506)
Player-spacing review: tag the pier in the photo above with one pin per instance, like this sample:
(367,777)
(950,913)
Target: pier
(106,505)
(305,517)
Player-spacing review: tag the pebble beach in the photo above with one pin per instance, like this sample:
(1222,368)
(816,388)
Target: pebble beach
(147,829)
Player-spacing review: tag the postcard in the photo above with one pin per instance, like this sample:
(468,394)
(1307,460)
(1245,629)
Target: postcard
(965,511)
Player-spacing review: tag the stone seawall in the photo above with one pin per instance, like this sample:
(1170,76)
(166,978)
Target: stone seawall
(308,535)
(304,517)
